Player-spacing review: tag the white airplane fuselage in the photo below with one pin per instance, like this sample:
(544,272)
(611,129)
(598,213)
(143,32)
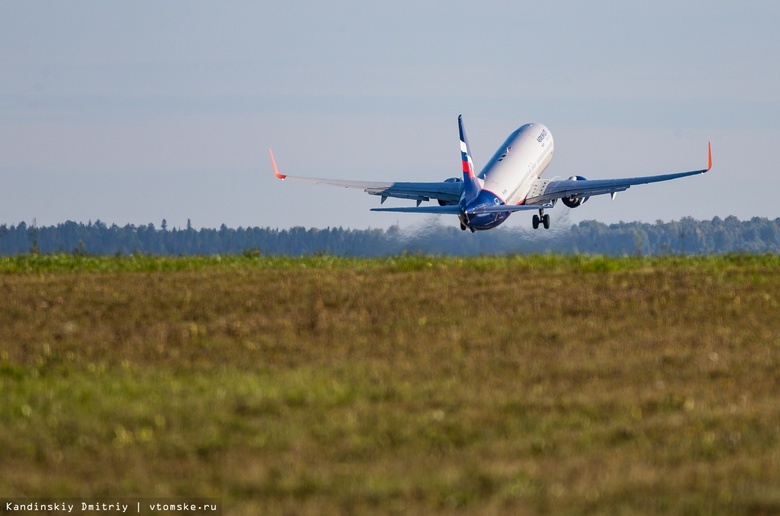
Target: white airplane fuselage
(509,175)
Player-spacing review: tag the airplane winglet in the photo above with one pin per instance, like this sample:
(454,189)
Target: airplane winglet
(276,170)
(709,156)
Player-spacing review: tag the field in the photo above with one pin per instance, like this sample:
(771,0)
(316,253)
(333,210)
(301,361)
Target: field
(528,384)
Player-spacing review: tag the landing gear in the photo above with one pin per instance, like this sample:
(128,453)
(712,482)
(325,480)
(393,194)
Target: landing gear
(464,227)
(464,224)
(541,218)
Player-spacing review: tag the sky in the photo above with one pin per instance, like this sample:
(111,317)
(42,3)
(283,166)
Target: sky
(135,112)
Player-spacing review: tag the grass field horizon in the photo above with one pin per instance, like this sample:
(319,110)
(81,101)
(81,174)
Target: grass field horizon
(408,384)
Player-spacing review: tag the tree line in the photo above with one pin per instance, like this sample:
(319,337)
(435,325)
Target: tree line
(686,236)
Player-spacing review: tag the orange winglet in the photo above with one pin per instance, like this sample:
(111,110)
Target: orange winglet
(709,155)
(276,170)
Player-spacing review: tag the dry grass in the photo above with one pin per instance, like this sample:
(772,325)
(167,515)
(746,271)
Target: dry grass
(416,384)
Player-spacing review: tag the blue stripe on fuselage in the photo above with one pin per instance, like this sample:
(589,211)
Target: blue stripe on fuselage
(488,220)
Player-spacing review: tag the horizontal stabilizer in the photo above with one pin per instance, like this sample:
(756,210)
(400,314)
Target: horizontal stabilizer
(507,208)
(450,208)
(455,209)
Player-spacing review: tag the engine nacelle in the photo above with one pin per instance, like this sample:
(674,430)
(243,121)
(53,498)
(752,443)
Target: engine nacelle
(574,201)
(450,180)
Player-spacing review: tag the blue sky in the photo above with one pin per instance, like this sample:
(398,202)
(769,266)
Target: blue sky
(137,111)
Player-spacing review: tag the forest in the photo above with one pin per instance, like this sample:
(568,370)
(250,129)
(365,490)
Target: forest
(684,237)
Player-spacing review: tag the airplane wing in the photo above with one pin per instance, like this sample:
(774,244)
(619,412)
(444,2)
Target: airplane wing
(443,191)
(546,190)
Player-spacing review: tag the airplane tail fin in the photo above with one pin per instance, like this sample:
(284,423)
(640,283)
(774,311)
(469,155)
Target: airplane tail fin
(470,182)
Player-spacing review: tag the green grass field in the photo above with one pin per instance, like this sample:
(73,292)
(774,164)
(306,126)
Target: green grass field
(529,384)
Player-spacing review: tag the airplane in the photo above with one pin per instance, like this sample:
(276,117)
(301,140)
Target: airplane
(511,181)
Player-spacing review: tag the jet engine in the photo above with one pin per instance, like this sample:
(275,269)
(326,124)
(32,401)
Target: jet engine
(450,180)
(574,201)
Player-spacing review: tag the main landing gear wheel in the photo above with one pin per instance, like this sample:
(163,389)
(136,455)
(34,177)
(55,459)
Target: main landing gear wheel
(541,218)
